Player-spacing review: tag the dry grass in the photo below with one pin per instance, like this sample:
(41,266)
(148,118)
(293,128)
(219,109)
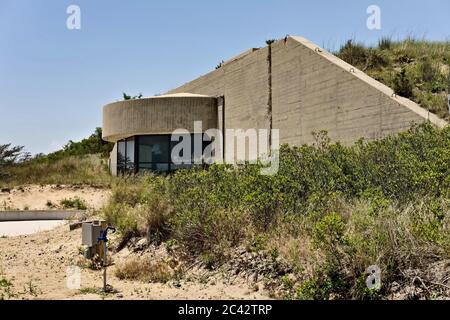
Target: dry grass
(143,269)
(395,239)
(75,170)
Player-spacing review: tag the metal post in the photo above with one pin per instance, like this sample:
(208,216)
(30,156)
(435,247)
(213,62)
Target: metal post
(104,238)
(105,263)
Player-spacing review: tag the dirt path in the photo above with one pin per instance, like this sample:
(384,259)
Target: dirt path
(37,265)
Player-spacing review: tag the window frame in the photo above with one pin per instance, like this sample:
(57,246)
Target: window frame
(137,163)
(122,168)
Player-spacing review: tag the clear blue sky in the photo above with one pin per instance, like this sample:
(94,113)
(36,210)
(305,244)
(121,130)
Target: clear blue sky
(54,81)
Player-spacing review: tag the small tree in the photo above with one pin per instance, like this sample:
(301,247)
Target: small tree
(9,155)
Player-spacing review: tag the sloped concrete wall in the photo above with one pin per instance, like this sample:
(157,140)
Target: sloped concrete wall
(311,90)
(244,84)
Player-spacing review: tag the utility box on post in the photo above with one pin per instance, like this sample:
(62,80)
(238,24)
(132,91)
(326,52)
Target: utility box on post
(90,232)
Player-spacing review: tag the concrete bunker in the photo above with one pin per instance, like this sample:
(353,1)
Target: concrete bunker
(291,85)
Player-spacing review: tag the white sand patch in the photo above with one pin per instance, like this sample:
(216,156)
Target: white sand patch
(21,228)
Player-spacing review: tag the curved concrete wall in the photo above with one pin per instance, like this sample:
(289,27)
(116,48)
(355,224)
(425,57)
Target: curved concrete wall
(158,115)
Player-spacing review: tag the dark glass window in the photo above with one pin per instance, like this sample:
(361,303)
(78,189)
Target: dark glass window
(153,149)
(121,156)
(130,154)
(156,167)
(126,156)
(154,153)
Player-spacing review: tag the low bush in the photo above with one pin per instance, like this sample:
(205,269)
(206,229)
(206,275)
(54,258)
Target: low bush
(139,206)
(75,203)
(331,210)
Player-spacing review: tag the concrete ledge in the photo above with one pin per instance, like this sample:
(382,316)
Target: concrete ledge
(40,215)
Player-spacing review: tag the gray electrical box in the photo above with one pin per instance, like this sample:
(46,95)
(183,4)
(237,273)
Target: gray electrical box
(90,232)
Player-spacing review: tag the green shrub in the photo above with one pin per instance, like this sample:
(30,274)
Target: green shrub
(329,232)
(381,202)
(75,203)
(353,53)
(327,283)
(122,216)
(94,144)
(139,206)
(6,289)
(402,84)
(257,243)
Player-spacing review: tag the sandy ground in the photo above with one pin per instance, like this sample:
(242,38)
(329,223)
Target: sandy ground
(36,197)
(38,266)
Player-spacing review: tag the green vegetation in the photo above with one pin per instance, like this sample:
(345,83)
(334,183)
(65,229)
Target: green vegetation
(9,155)
(127,97)
(91,145)
(6,289)
(415,69)
(89,290)
(75,203)
(74,170)
(331,210)
(83,162)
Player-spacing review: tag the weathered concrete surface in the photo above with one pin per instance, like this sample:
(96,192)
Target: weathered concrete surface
(40,215)
(22,228)
(311,90)
(244,83)
(113,161)
(158,115)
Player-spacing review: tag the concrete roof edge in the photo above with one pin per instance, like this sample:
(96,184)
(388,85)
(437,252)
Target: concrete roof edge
(407,103)
(180,95)
(240,56)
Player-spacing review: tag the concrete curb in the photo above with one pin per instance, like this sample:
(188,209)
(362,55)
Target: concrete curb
(31,215)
